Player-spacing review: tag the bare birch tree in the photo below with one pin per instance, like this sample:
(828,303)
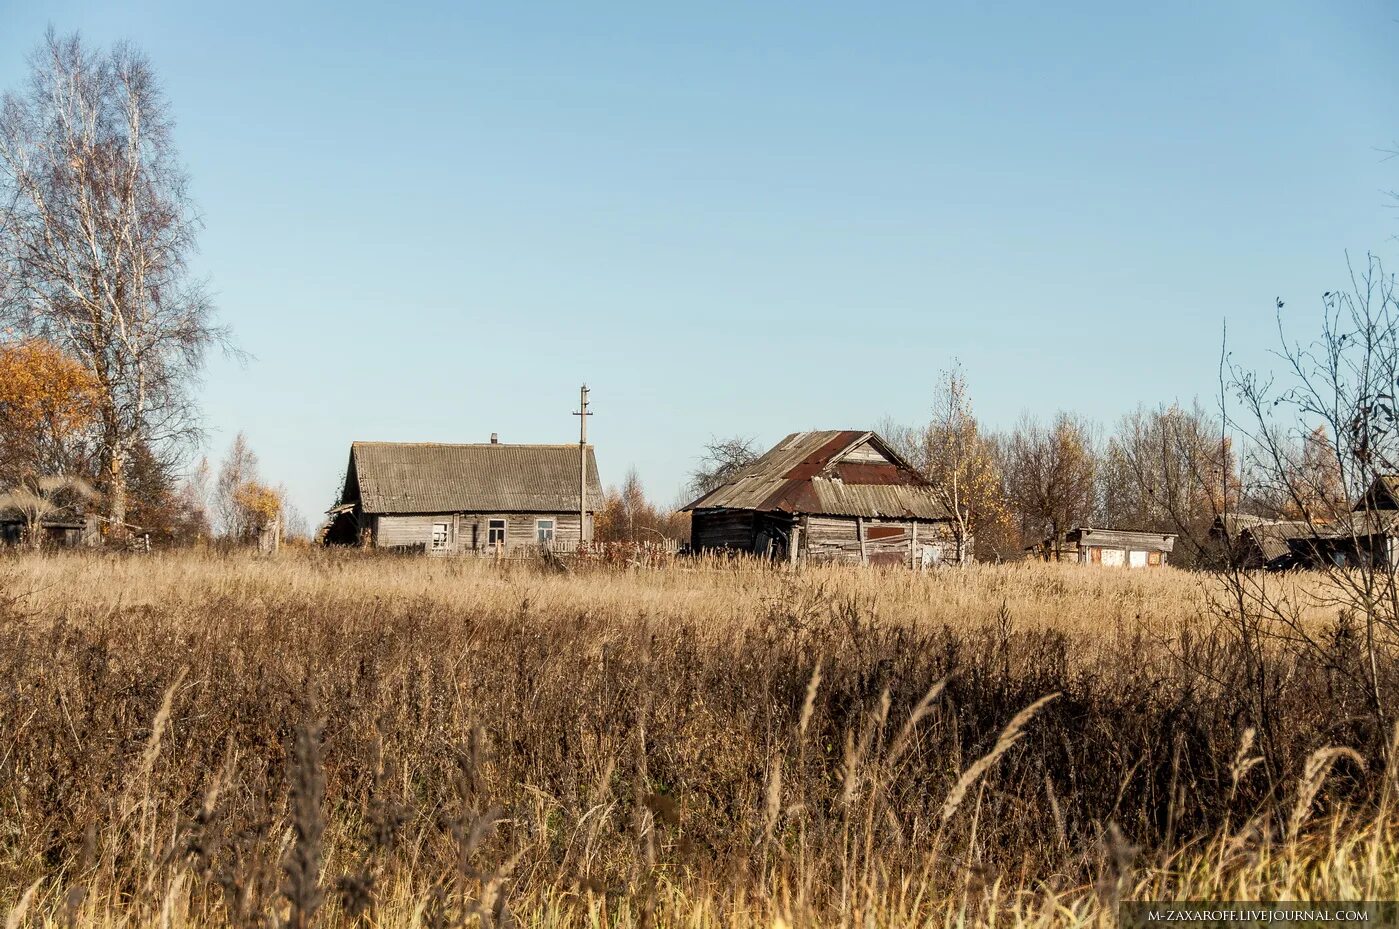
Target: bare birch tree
(960,462)
(96,229)
(238,470)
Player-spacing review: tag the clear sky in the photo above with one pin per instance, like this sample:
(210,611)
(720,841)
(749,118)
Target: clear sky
(432,221)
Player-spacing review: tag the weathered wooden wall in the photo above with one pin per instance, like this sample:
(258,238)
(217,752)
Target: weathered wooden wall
(721,529)
(885,541)
(833,538)
(865,453)
(468,532)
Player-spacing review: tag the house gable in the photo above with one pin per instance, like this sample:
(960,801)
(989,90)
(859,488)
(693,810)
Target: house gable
(871,462)
(1382,494)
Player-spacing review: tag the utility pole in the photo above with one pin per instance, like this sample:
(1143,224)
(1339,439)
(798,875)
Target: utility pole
(583,415)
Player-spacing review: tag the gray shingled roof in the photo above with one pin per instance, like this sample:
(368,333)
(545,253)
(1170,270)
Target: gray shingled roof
(404,477)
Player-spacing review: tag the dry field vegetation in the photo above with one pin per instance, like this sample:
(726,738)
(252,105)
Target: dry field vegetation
(339,739)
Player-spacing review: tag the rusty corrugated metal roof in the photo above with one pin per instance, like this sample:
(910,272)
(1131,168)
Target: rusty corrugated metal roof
(804,473)
(893,500)
(412,477)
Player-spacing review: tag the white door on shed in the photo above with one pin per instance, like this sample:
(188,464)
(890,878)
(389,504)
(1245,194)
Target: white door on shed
(1113,557)
(1136,560)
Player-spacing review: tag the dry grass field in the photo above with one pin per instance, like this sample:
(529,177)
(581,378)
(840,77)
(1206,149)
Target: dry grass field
(339,739)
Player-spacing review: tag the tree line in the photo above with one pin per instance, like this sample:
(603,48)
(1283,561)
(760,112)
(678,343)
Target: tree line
(1162,469)
(1169,468)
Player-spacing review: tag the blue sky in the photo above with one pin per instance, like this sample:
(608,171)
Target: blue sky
(432,221)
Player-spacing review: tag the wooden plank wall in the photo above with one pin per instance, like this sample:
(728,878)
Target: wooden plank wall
(865,453)
(711,530)
(886,541)
(519,528)
(403,531)
(466,529)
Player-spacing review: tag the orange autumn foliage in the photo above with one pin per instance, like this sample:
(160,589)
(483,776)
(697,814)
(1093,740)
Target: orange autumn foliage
(47,400)
(261,505)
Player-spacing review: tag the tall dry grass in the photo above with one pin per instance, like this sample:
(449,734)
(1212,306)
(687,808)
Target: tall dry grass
(337,739)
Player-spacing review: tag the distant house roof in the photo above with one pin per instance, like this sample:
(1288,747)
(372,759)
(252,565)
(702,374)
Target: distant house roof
(1088,536)
(1271,536)
(1231,523)
(1359,525)
(844,472)
(420,477)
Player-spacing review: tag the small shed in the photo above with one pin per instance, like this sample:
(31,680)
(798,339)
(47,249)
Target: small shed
(1111,548)
(829,496)
(61,530)
(462,499)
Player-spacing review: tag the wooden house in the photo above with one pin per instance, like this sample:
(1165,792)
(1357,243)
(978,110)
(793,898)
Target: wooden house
(1110,548)
(62,531)
(841,495)
(1249,541)
(463,499)
(1360,539)
(1381,496)
(1367,535)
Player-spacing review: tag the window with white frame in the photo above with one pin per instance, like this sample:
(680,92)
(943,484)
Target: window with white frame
(495,532)
(544,530)
(439,537)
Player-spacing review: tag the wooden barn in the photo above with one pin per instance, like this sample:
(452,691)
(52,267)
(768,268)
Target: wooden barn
(840,495)
(1110,548)
(464,499)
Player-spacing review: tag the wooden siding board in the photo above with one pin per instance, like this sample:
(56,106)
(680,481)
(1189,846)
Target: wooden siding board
(886,541)
(720,529)
(866,452)
(404,531)
(469,531)
(828,538)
